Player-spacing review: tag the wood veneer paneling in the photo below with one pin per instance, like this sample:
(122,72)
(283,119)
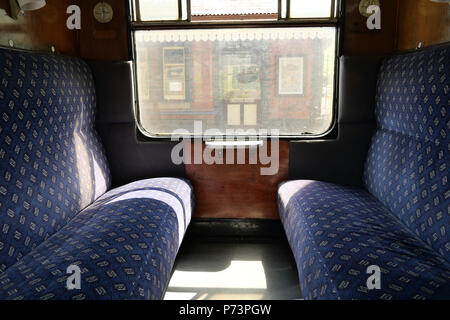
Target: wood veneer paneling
(237,191)
(46,27)
(39,30)
(422,21)
(358,40)
(104,42)
(404,23)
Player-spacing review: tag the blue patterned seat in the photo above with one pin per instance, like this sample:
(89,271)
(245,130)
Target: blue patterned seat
(336,232)
(54,211)
(400,221)
(125,244)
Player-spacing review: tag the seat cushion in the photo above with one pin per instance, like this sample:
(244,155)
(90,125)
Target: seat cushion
(336,232)
(52,164)
(408,161)
(125,244)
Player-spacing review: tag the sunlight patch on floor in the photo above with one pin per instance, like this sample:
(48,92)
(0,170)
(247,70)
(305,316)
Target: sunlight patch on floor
(239,275)
(231,296)
(179,295)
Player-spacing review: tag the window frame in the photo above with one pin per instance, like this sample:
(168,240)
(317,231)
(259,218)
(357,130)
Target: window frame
(336,20)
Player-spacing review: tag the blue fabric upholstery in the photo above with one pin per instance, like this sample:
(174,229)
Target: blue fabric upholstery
(54,211)
(401,221)
(407,167)
(52,162)
(125,244)
(336,232)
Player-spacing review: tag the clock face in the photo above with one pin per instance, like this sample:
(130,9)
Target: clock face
(103,12)
(365,4)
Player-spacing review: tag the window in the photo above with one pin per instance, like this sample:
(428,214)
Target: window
(157,10)
(204,10)
(174,73)
(304,9)
(216,69)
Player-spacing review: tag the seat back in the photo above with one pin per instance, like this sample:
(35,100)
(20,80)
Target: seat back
(52,163)
(407,166)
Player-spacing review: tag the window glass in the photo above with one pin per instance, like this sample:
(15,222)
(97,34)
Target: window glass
(155,10)
(234,9)
(253,78)
(310,9)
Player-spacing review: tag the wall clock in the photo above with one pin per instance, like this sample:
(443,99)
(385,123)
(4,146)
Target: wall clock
(103,12)
(364,4)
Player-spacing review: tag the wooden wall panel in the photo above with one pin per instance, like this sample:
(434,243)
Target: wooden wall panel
(359,40)
(105,42)
(404,24)
(422,21)
(237,191)
(46,27)
(39,30)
